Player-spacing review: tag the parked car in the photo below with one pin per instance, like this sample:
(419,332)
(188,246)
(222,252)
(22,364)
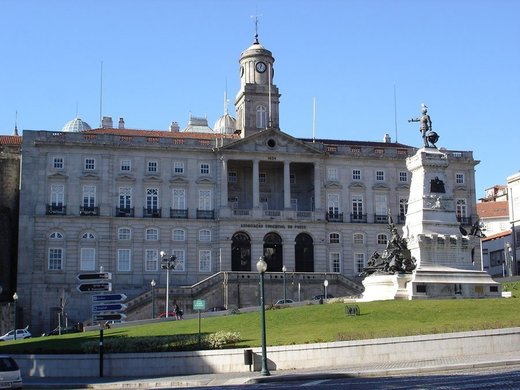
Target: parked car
(170,314)
(20,334)
(284,302)
(216,308)
(56,331)
(322,296)
(10,377)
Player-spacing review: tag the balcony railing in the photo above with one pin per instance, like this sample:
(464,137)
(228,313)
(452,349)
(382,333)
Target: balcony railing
(124,211)
(304,214)
(205,214)
(272,213)
(178,213)
(334,217)
(358,218)
(380,218)
(151,212)
(56,209)
(241,212)
(88,210)
(464,220)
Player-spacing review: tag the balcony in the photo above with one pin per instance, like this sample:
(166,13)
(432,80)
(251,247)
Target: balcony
(380,218)
(88,211)
(151,212)
(124,211)
(179,213)
(466,221)
(205,214)
(334,217)
(241,212)
(56,209)
(358,218)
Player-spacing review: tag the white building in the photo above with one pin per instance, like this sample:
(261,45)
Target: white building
(216,199)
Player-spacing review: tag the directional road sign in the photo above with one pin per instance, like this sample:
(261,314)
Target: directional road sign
(95,287)
(109,307)
(95,276)
(109,317)
(109,298)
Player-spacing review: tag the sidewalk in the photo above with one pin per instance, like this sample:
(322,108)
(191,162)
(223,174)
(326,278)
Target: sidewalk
(400,368)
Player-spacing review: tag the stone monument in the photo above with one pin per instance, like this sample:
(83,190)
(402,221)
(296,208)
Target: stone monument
(439,253)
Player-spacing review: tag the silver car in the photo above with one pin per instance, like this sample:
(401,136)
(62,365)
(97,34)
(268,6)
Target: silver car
(10,377)
(20,334)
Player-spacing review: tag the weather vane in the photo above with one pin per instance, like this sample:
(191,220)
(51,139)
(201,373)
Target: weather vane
(256,16)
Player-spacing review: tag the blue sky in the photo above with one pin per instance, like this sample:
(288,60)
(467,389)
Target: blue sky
(164,59)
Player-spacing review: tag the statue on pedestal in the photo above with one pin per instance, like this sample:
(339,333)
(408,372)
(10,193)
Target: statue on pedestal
(429,136)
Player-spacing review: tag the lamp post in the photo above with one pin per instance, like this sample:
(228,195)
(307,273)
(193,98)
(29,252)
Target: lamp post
(284,270)
(325,284)
(168,263)
(153,284)
(15,299)
(509,259)
(261,266)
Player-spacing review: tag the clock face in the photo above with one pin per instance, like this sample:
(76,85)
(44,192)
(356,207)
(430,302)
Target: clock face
(261,67)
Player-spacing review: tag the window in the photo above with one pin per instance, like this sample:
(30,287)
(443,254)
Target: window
(179,199)
(334,238)
(57,194)
(262,177)
(90,164)
(88,236)
(261,117)
(204,235)
(332,173)
(87,259)
(126,165)
(204,261)
(124,260)
(381,205)
(205,200)
(56,236)
(403,176)
(380,175)
(335,262)
(357,206)
(124,233)
(57,163)
(180,262)
(152,167)
(178,167)
(204,168)
(178,235)
(55,259)
(403,208)
(333,203)
(151,260)
(359,259)
(294,204)
(89,196)
(292,178)
(125,197)
(382,239)
(359,238)
(356,174)
(232,177)
(461,208)
(152,234)
(152,199)
(459,178)
(496,258)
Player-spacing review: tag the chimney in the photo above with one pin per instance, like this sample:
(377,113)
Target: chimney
(121,123)
(174,127)
(106,123)
(387,139)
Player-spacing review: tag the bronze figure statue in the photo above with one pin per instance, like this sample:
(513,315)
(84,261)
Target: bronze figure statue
(428,135)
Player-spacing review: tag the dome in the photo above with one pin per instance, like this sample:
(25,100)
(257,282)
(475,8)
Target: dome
(75,125)
(226,124)
(256,49)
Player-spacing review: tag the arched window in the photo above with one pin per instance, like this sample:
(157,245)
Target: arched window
(88,236)
(56,236)
(124,233)
(205,235)
(261,117)
(359,238)
(178,235)
(152,234)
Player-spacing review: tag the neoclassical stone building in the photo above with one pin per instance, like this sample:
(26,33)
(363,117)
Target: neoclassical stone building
(217,198)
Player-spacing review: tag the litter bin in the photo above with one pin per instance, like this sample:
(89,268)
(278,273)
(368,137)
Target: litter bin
(248,357)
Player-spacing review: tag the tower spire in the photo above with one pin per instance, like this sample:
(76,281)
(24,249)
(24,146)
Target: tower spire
(256,27)
(16,123)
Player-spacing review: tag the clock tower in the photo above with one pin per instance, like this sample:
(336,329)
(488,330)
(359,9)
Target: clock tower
(257,102)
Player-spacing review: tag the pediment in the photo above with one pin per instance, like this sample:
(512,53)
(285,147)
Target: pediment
(179,180)
(205,180)
(356,186)
(125,177)
(380,187)
(333,185)
(271,141)
(403,187)
(460,189)
(152,179)
(89,176)
(58,175)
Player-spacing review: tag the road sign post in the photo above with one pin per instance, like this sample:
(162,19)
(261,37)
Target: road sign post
(95,287)
(199,304)
(95,276)
(109,298)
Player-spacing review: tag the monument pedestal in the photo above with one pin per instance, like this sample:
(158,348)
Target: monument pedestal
(386,287)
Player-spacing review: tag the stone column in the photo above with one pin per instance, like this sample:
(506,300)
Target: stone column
(317,187)
(256,184)
(286,185)
(224,183)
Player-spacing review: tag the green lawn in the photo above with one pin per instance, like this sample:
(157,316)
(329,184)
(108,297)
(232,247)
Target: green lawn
(313,323)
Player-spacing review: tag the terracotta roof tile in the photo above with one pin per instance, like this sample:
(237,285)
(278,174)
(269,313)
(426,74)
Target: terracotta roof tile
(505,233)
(493,209)
(10,140)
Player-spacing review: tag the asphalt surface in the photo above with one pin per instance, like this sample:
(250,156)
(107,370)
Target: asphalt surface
(242,378)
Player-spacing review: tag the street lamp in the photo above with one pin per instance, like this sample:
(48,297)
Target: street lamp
(509,259)
(325,284)
(284,270)
(153,284)
(261,266)
(168,263)
(15,299)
